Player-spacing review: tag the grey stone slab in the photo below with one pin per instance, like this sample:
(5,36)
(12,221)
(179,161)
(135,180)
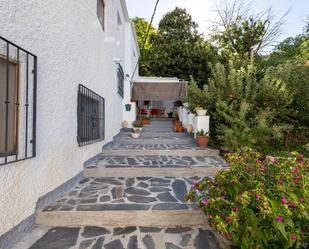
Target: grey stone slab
(159,189)
(175,230)
(88,200)
(166,197)
(130,182)
(150,229)
(206,240)
(143,178)
(170,206)
(141,199)
(136,191)
(159,180)
(122,231)
(56,238)
(142,185)
(185,239)
(169,245)
(105,198)
(109,181)
(84,181)
(115,244)
(92,231)
(86,244)
(180,189)
(133,244)
(98,244)
(148,242)
(66,208)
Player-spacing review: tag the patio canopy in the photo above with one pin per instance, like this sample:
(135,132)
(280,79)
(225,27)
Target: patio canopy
(159,89)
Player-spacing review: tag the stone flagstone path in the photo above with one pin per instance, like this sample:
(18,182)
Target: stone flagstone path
(133,197)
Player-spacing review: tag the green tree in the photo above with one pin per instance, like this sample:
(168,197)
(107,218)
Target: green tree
(291,49)
(178,50)
(295,75)
(142,27)
(240,33)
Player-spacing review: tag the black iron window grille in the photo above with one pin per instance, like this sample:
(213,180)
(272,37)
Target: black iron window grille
(91,116)
(120,78)
(18,89)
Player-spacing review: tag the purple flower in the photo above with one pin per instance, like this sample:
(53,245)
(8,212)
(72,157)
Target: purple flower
(293,237)
(257,196)
(280,219)
(284,201)
(301,199)
(205,202)
(195,185)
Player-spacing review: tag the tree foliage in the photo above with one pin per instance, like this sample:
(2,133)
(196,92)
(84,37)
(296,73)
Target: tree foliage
(242,33)
(291,49)
(144,31)
(246,110)
(176,49)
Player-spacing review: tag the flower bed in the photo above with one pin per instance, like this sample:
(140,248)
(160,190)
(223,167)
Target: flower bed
(259,202)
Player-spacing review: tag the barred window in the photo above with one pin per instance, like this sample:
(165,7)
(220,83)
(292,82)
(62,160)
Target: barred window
(120,78)
(91,112)
(17,103)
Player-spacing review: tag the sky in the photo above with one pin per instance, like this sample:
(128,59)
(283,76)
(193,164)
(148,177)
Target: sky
(203,12)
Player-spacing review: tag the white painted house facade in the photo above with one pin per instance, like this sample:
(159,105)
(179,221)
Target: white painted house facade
(62,57)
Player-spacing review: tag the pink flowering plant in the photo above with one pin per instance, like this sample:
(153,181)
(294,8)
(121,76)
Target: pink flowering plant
(259,202)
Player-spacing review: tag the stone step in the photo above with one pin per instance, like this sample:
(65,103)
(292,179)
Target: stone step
(172,150)
(132,237)
(153,165)
(153,147)
(136,201)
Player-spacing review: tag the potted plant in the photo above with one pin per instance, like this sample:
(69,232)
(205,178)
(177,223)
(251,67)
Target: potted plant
(137,126)
(200,111)
(136,134)
(202,139)
(145,120)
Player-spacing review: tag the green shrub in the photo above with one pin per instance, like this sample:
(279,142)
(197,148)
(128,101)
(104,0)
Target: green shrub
(259,202)
(245,110)
(137,124)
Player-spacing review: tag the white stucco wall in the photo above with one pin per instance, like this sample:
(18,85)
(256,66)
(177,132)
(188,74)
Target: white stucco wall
(132,56)
(72,49)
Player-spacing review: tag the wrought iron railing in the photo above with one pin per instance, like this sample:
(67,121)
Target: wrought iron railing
(18,93)
(91,116)
(120,77)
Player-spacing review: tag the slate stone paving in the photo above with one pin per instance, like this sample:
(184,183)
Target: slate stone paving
(127,238)
(158,146)
(156,161)
(140,193)
(135,193)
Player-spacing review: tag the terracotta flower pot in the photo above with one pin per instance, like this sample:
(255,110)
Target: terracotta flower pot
(178,123)
(174,128)
(146,122)
(202,141)
(180,129)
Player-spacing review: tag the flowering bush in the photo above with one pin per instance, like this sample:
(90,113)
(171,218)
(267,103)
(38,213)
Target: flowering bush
(259,202)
